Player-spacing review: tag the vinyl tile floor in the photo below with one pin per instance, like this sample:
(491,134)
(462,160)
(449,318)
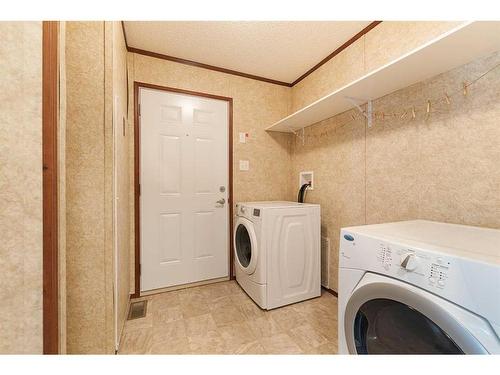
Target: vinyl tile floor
(221,319)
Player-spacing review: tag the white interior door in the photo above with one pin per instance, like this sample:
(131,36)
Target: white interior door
(183,176)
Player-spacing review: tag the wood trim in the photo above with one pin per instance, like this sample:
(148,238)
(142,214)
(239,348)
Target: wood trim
(331,291)
(337,51)
(232,276)
(206,66)
(137,143)
(124,35)
(251,76)
(50,206)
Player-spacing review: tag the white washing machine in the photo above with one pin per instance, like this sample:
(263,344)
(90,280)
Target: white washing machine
(419,287)
(277,251)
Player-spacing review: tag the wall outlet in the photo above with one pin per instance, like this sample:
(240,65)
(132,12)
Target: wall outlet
(244,165)
(305,177)
(243,137)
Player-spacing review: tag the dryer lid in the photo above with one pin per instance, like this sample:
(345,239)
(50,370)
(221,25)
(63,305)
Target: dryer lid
(276,204)
(470,242)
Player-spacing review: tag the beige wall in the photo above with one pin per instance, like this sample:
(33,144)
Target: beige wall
(256,105)
(386,42)
(122,136)
(444,168)
(89,280)
(96,95)
(61,175)
(21,187)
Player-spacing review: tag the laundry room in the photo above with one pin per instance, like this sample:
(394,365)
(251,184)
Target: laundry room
(311,187)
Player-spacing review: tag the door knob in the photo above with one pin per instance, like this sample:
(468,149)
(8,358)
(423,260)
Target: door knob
(221,201)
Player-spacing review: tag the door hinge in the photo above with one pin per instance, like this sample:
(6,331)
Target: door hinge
(139,110)
(140,269)
(139,189)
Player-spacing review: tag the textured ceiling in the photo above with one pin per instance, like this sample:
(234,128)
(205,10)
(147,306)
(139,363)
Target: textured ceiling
(281,51)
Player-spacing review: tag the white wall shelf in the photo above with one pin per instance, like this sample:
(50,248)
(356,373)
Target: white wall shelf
(465,43)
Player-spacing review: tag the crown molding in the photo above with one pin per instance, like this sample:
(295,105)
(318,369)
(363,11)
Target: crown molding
(246,75)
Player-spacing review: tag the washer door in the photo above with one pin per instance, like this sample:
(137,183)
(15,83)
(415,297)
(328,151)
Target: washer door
(386,316)
(245,245)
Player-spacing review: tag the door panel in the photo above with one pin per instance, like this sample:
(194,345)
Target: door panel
(294,261)
(295,249)
(204,231)
(170,164)
(170,238)
(184,161)
(204,159)
(294,255)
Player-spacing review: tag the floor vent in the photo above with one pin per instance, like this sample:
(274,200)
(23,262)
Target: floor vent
(137,310)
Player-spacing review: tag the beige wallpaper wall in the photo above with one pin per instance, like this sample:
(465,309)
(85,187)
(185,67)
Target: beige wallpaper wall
(256,105)
(384,43)
(122,138)
(444,168)
(61,175)
(97,182)
(21,187)
(89,281)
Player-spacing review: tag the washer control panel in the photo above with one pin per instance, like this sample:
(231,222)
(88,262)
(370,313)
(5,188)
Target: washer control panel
(384,256)
(438,274)
(410,264)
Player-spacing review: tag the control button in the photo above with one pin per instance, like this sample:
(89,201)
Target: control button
(409,262)
(432,280)
(441,282)
(440,260)
(243,209)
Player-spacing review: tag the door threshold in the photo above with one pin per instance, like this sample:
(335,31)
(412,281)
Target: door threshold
(184,286)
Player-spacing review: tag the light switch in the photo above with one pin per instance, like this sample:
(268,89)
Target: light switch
(243,137)
(244,165)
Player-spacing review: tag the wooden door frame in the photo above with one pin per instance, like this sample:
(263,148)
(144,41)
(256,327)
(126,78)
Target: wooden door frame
(50,112)
(137,144)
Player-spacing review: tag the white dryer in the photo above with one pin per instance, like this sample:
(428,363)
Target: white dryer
(277,251)
(419,287)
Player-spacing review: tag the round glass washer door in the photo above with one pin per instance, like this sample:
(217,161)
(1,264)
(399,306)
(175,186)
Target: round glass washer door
(245,245)
(385,326)
(387,316)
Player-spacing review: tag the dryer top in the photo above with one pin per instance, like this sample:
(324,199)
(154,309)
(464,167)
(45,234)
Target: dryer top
(275,204)
(462,240)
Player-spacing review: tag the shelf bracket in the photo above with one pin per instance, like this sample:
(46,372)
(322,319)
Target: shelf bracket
(301,136)
(369,110)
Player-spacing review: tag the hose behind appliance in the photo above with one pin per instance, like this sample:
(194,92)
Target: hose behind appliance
(302,192)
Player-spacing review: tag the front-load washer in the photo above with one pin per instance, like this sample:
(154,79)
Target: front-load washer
(419,287)
(277,251)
